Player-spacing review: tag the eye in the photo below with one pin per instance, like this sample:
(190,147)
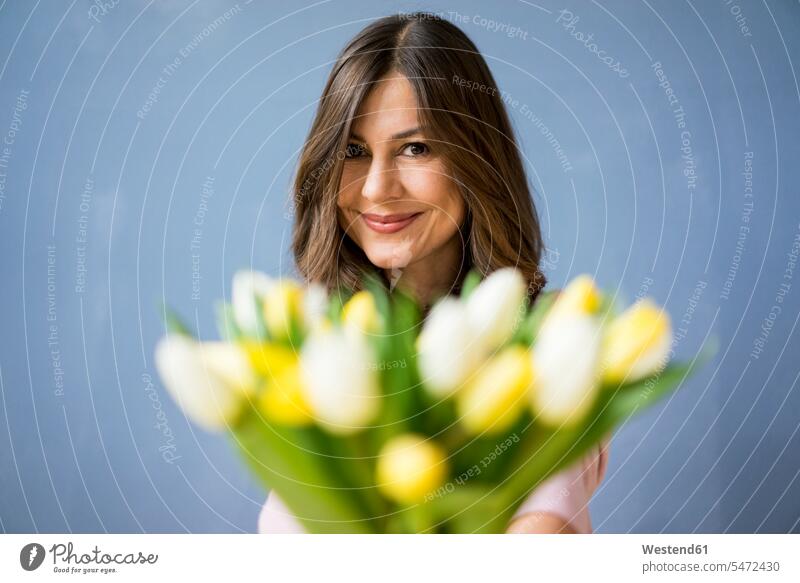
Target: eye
(416,149)
(354,150)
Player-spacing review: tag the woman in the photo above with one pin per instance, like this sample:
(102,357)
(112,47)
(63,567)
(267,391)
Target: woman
(411,171)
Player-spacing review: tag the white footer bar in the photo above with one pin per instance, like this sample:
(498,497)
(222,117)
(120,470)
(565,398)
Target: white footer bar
(407,559)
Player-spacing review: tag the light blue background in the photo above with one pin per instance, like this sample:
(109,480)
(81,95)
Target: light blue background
(722,455)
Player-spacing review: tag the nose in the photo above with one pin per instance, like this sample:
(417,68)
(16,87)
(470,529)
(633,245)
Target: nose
(381,183)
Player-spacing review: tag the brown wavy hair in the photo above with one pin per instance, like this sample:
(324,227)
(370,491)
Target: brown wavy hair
(467,119)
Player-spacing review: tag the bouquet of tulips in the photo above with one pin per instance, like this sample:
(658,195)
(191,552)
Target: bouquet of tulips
(365,418)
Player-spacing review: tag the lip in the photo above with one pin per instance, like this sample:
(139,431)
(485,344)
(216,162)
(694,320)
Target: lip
(389,223)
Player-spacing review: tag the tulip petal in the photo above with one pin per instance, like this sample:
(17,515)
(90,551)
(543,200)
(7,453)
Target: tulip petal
(494,309)
(340,380)
(580,296)
(448,351)
(315,304)
(284,399)
(247,286)
(409,467)
(208,383)
(283,309)
(496,397)
(565,365)
(637,343)
(361,313)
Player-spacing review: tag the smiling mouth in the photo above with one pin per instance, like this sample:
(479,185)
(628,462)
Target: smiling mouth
(389,223)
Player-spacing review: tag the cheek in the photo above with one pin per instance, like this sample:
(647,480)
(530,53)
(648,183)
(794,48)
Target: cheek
(346,194)
(351,183)
(446,208)
(435,187)
(347,200)
(455,207)
(441,193)
(447,219)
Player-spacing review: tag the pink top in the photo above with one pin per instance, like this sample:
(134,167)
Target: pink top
(565,494)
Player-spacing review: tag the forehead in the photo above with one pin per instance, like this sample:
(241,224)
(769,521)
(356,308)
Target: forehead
(389,107)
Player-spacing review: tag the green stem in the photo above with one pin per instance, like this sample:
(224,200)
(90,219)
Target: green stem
(288,460)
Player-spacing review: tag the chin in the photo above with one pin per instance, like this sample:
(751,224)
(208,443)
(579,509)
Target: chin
(389,254)
(387,259)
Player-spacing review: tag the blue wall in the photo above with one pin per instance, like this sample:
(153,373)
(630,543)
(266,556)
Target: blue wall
(149,143)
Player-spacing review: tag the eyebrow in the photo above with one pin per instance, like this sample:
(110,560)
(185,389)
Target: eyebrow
(398,136)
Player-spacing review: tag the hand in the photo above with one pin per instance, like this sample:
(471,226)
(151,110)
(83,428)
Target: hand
(561,503)
(276,518)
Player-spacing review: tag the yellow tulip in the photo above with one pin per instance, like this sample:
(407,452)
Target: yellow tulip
(409,467)
(496,398)
(284,399)
(636,343)
(283,307)
(361,313)
(270,359)
(580,296)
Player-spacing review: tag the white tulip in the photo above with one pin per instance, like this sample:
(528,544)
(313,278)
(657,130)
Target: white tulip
(339,374)
(247,286)
(208,381)
(494,307)
(448,351)
(315,304)
(565,368)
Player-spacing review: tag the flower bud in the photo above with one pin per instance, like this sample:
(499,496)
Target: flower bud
(209,381)
(248,286)
(341,385)
(493,308)
(283,308)
(284,399)
(580,296)
(565,368)
(496,397)
(361,313)
(315,305)
(447,350)
(636,343)
(409,467)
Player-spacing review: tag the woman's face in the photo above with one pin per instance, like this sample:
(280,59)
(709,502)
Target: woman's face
(397,200)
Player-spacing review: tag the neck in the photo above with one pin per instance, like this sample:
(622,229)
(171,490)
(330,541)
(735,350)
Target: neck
(432,276)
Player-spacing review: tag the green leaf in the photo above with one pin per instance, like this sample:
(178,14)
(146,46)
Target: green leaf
(262,334)
(352,458)
(338,298)
(402,405)
(294,462)
(489,457)
(173,322)
(629,398)
(471,281)
(226,323)
(527,331)
(467,509)
(375,286)
(545,451)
